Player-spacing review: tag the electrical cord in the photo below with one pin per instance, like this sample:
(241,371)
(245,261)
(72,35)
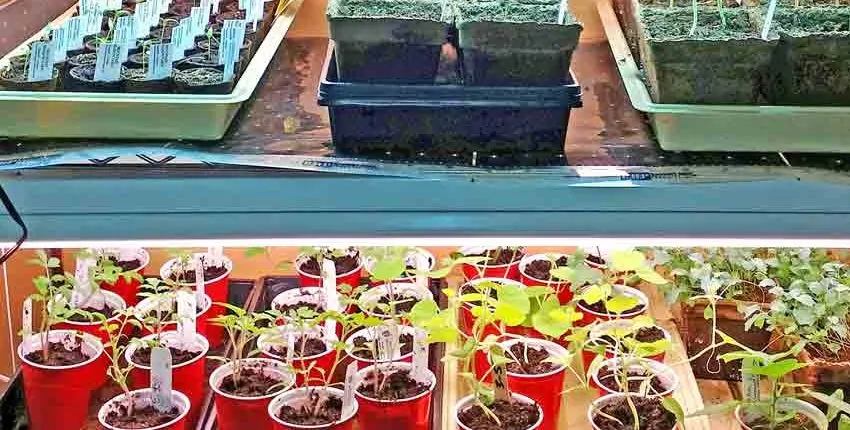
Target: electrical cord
(13,212)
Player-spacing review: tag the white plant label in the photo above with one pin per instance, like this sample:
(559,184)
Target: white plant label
(159,61)
(125,35)
(331,295)
(162,6)
(200,282)
(27,317)
(752,388)
(161,379)
(197,19)
(40,67)
(128,254)
(217,254)
(500,381)
(142,18)
(232,37)
(348,393)
(108,66)
(113,5)
(206,5)
(186,313)
(387,343)
(178,35)
(75,32)
(290,346)
(216,6)
(83,288)
(59,40)
(422,266)
(91,22)
(420,355)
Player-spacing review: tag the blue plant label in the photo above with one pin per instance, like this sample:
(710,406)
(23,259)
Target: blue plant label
(108,65)
(161,379)
(142,19)
(197,21)
(75,32)
(59,40)
(186,313)
(125,34)
(178,34)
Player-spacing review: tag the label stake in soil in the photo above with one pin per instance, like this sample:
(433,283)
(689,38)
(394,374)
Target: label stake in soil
(83,290)
(200,286)
(186,312)
(161,379)
(752,389)
(500,382)
(420,355)
(331,295)
(290,345)
(348,393)
(27,317)
(421,269)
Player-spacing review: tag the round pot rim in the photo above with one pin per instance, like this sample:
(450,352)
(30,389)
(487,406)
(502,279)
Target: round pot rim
(91,340)
(108,295)
(548,345)
(601,330)
(226,369)
(273,408)
(381,291)
(265,346)
(523,263)
(516,396)
(299,260)
(143,253)
(814,414)
(395,365)
(349,342)
(175,395)
(290,292)
(167,268)
(199,338)
(369,262)
(652,364)
(141,309)
(594,406)
(626,290)
(520,249)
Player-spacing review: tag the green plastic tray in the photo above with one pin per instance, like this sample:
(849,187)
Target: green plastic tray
(727,128)
(33,114)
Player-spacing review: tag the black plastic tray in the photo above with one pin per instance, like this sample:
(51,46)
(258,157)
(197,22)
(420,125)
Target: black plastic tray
(446,123)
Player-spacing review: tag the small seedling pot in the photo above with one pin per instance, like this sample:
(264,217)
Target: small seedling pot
(589,316)
(57,397)
(202,80)
(604,328)
(201,317)
(410,414)
(602,401)
(805,408)
(235,412)
(319,364)
(136,81)
(81,79)
(128,289)
(410,259)
(297,397)
(475,271)
(565,294)
(14,79)
(314,295)
(187,378)
(544,388)
(93,328)
(369,299)
(467,401)
(367,333)
(663,372)
(144,397)
(351,278)
(218,289)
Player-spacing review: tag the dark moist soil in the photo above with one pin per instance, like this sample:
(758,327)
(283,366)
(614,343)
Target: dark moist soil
(610,380)
(535,365)
(841,356)
(675,23)
(286,309)
(313,347)
(331,411)
(364,349)
(404,9)
(252,383)
(88,58)
(142,418)
(507,12)
(512,416)
(800,422)
(403,304)
(397,386)
(540,269)
(599,307)
(343,264)
(127,266)
(59,356)
(107,311)
(653,416)
(172,312)
(688,3)
(499,256)
(753,293)
(209,274)
(470,289)
(178,356)
(595,259)
(649,334)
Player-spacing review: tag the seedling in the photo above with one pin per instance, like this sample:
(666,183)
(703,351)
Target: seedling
(242,329)
(119,369)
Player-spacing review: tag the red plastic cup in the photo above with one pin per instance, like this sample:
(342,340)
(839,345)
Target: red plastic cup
(57,398)
(368,263)
(94,328)
(298,395)
(467,401)
(217,289)
(202,324)
(369,334)
(319,364)
(187,378)
(589,316)
(351,278)
(603,328)
(546,388)
(664,372)
(128,289)
(562,289)
(369,299)
(475,271)
(143,398)
(235,412)
(409,414)
(314,295)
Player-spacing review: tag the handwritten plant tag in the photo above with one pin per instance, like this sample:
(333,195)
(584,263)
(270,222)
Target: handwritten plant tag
(159,62)
(90,23)
(108,65)
(232,38)
(161,379)
(216,6)
(200,282)
(162,6)
(751,382)
(331,294)
(27,317)
(348,393)
(217,254)
(186,313)
(387,343)
(290,346)
(40,65)
(420,355)
(500,381)
(206,5)
(83,288)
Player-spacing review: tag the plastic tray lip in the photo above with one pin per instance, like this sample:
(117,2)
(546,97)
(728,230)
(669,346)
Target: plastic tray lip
(642,101)
(246,85)
(334,93)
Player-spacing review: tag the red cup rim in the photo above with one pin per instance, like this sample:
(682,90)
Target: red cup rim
(350,272)
(219,374)
(205,344)
(534,257)
(362,372)
(207,306)
(349,342)
(166,269)
(145,257)
(516,396)
(521,250)
(644,301)
(600,331)
(549,346)
(596,404)
(266,348)
(175,395)
(674,383)
(379,291)
(273,408)
(122,305)
(93,342)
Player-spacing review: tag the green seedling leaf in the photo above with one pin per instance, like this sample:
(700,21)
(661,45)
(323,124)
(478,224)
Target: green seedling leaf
(387,270)
(830,401)
(651,276)
(539,291)
(720,409)
(621,304)
(594,294)
(777,369)
(675,408)
(423,312)
(627,261)
(255,251)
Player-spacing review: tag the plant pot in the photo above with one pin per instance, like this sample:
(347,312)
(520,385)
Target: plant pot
(807,409)
(15,79)
(244,52)
(668,377)
(82,59)
(370,298)
(823,374)
(387,41)
(607,399)
(166,304)
(465,317)
(816,57)
(136,81)
(128,289)
(319,364)
(544,388)
(590,316)
(187,377)
(602,329)
(143,398)
(369,335)
(93,328)
(727,67)
(235,412)
(351,278)
(506,44)
(217,288)
(202,81)
(57,397)
(297,396)
(562,288)
(474,271)
(412,413)
(410,260)
(81,79)
(314,296)
(467,401)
